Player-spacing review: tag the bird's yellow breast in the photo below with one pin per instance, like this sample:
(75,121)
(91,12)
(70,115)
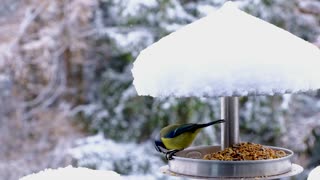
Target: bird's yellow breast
(180,142)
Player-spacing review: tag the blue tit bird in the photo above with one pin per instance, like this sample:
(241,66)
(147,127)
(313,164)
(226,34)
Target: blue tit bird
(176,137)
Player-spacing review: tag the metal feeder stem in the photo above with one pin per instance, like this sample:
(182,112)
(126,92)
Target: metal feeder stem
(229,129)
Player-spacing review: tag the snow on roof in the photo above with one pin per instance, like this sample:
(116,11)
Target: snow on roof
(69,173)
(227,53)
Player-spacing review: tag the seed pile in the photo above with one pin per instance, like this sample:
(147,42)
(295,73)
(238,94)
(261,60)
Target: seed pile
(246,151)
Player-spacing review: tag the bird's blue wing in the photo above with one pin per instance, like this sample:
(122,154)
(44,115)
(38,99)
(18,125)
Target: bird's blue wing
(181,129)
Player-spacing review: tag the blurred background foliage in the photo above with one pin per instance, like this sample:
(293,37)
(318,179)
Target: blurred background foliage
(67,94)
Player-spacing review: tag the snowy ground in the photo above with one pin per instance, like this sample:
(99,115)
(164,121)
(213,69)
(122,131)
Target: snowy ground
(72,173)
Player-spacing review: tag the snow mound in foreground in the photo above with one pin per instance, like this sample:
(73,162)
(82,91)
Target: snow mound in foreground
(72,173)
(227,53)
(314,174)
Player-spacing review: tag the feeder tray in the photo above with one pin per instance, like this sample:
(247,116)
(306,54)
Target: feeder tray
(189,163)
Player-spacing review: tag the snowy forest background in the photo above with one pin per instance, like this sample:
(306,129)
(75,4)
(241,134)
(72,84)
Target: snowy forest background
(67,96)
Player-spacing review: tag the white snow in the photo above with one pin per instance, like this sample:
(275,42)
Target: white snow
(314,174)
(69,173)
(205,9)
(132,41)
(133,7)
(310,6)
(227,53)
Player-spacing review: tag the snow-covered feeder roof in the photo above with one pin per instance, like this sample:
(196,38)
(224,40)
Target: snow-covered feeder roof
(227,53)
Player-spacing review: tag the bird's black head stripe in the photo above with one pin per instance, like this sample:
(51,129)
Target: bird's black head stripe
(159,146)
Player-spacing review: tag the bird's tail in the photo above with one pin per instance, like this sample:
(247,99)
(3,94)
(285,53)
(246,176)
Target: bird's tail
(210,123)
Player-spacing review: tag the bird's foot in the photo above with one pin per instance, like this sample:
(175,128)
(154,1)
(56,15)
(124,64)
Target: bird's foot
(171,153)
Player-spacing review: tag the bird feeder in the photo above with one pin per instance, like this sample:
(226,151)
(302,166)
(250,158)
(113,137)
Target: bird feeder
(228,54)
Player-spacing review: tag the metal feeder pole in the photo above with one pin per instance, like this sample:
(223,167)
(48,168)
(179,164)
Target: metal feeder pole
(229,129)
